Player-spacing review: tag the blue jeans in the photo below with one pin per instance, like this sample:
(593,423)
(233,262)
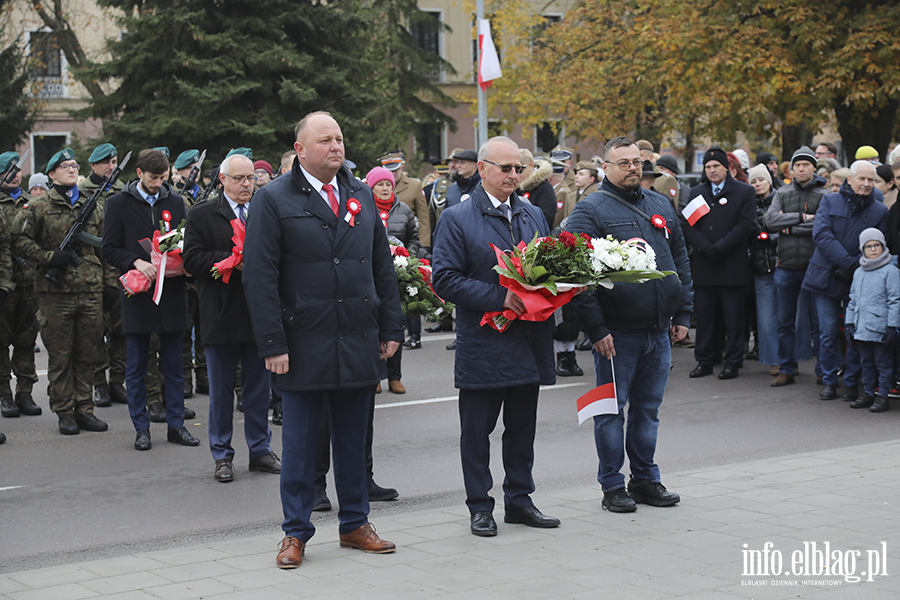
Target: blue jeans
(797,321)
(766,319)
(642,370)
(831,319)
(877,362)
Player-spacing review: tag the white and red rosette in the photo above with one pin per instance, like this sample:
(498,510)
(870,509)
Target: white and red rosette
(659,222)
(354,207)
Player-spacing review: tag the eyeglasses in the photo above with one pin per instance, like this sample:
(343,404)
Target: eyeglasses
(242,179)
(70,166)
(637,163)
(874,246)
(507,168)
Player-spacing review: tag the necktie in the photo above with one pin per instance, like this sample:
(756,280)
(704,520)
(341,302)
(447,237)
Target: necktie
(241,215)
(504,208)
(332,199)
(716,190)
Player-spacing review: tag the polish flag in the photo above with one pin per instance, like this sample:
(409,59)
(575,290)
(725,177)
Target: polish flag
(599,401)
(695,209)
(488,63)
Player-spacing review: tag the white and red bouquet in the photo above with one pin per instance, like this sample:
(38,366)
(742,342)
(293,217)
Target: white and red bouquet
(165,254)
(223,269)
(417,297)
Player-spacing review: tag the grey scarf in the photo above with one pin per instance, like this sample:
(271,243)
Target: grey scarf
(870,264)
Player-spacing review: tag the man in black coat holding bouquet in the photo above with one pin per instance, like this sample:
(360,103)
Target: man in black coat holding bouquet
(142,208)
(494,370)
(634,323)
(225,323)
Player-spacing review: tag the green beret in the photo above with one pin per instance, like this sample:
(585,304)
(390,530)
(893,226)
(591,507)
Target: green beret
(242,151)
(164,150)
(60,157)
(187,158)
(102,152)
(6,159)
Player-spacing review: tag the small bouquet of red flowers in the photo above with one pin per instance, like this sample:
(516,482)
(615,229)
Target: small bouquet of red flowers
(545,274)
(223,269)
(165,255)
(417,297)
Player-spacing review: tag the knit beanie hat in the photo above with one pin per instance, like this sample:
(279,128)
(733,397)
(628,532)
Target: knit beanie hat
(379,174)
(804,153)
(764,158)
(871,235)
(760,171)
(717,154)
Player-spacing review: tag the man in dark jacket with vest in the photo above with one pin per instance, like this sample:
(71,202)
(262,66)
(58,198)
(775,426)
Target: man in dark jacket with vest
(226,325)
(792,216)
(133,215)
(494,370)
(721,270)
(839,221)
(633,323)
(320,284)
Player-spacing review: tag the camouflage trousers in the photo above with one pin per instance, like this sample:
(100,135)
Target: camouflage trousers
(193,356)
(19,329)
(72,331)
(114,357)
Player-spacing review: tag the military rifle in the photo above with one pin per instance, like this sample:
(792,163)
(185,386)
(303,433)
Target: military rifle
(77,235)
(213,184)
(188,183)
(14,168)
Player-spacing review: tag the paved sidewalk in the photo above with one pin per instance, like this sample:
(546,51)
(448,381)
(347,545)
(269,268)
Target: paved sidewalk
(847,497)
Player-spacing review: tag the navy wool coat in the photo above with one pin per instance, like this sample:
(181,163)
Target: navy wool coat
(129,218)
(319,290)
(463,274)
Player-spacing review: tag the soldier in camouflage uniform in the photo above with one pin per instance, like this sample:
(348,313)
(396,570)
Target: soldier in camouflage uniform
(18,324)
(70,316)
(104,161)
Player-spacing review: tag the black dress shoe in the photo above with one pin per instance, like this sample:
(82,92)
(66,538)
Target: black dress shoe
(531,516)
(380,494)
(157,412)
(437,328)
(89,422)
(701,371)
(67,424)
(321,503)
(828,393)
(483,524)
(117,393)
(728,372)
(189,413)
(270,463)
(26,404)
(101,396)
(277,415)
(188,389)
(142,439)
(182,436)
(451,345)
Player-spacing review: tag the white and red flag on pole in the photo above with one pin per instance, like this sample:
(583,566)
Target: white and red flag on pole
(601,400)
(488,62)
(695,209)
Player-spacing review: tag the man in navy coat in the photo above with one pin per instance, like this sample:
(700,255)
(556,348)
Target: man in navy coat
(494,370)
(225,323)
(319,281)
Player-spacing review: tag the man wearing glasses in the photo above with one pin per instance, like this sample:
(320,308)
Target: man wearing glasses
(132,215)
(70,316)
(226,326)
(494,370)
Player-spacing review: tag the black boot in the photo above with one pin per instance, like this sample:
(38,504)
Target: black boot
(562,364)
(574,369)
(880,404)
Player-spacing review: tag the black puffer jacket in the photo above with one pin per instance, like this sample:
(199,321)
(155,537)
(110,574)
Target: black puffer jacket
(763,245)
(792,212)
(402,225)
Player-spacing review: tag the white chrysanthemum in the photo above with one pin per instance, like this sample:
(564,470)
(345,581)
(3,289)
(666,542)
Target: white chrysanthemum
(412,290)
(401,261)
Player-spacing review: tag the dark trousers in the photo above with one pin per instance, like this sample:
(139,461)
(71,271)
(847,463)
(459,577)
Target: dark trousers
(877,362)
(275,392)
(136,378)
(222,361)
(708,300)
(478,413)
(323,456)
(349,414)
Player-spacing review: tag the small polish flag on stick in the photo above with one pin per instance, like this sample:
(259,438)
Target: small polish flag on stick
(695,209)
(488,63)
(601,400)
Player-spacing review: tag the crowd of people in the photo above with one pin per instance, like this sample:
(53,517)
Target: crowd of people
(768,264)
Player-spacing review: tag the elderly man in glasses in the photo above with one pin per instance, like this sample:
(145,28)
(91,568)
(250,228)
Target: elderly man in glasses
(494,370)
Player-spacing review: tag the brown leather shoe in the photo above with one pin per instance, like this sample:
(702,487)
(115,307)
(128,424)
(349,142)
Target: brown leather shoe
(224,471)
(378,388)
(782,379)
(396,387)
(366,540)
(774,370)
(290,555)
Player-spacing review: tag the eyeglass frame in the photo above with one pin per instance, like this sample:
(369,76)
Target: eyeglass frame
(507,168)
(242,178)
(637,163)
(869,246)
(76,166)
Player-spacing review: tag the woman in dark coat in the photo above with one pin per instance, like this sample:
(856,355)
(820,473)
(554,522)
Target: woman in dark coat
(400,223)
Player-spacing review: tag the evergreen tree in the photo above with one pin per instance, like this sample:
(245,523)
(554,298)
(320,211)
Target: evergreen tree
(218,74)
(19,106)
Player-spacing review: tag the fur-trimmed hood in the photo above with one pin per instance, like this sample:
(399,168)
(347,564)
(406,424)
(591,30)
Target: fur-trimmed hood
(540,174)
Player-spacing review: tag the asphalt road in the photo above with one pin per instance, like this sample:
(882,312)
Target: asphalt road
(66,499)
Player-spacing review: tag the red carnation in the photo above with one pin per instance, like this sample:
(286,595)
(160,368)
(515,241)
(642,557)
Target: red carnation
(568,239)
(400,251)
